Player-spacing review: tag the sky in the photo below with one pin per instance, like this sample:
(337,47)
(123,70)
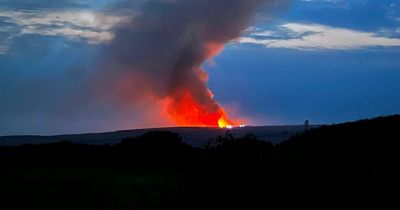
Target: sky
(326,61)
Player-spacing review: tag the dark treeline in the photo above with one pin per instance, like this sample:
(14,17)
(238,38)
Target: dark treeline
(345,166)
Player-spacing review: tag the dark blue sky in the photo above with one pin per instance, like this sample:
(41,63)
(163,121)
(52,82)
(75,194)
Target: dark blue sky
(324,60)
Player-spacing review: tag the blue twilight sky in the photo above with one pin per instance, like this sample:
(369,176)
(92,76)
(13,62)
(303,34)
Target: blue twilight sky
(326,61)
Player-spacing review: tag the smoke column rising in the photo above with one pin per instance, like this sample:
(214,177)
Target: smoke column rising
(159,54)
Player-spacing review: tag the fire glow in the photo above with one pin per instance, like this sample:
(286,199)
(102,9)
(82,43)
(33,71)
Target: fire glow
(184,110)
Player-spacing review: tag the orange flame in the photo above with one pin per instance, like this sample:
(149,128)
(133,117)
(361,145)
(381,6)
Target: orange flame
(198,108)
(185,111)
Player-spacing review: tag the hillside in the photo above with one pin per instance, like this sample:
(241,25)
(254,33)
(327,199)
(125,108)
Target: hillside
(344,166)
(192,135)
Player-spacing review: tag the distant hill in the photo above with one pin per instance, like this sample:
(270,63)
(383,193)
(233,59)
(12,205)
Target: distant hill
(192,135)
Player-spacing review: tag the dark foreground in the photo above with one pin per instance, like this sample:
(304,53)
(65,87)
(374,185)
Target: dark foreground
(346,166)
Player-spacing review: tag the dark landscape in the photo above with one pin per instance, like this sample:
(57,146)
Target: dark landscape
(344,166)
(195,136)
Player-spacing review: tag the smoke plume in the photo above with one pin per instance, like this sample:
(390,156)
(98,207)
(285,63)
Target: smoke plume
(158,55)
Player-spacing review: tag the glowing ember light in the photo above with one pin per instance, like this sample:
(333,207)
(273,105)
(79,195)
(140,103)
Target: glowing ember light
(184,110)
(222,123)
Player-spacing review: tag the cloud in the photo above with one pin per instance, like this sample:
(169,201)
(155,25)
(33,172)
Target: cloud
(24,4)
(3,49)
(83,25)
(314,36)
(92,37)
(340,4)
(4,41)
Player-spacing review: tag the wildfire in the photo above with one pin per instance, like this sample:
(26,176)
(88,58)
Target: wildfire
(185,111)
(224,122)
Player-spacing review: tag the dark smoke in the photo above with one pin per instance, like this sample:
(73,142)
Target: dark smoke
(160,53)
